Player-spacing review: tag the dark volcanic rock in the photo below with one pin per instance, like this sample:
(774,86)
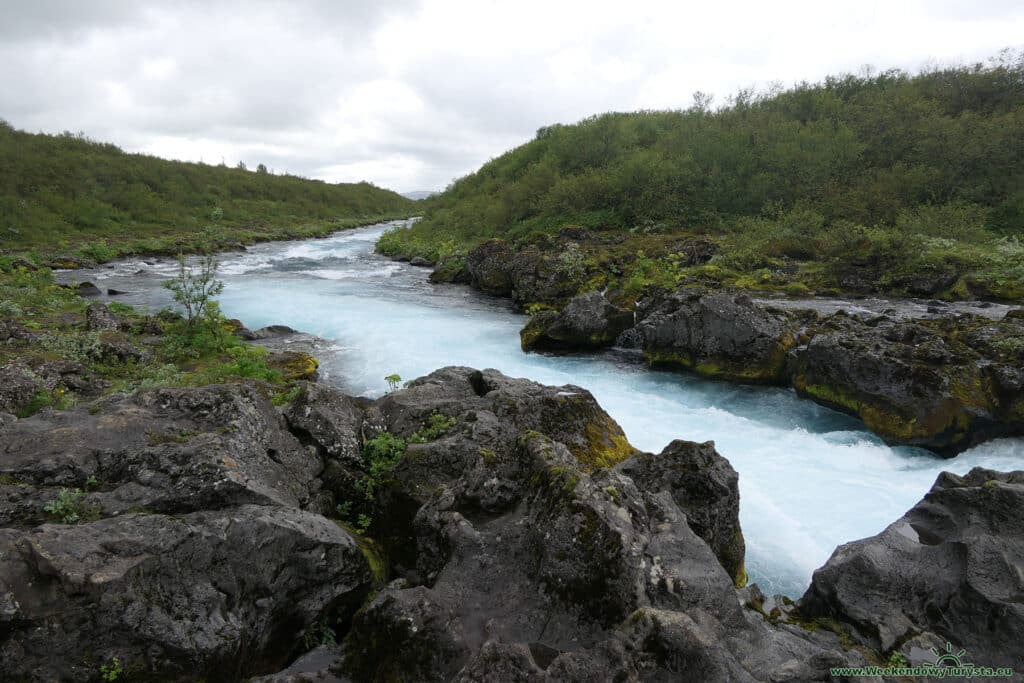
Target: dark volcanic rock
(210,594)
(589,321)
(522,558)
(87,289)
(704,486)
(18,386)
(489,267)
(167,450)
(99,318)
(193,555)
(910,382)
(950,567)
(538,278)
(330,419)
(451,269)
(718,335)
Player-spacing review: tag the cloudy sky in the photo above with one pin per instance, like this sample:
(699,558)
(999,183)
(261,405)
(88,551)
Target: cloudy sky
(410,94)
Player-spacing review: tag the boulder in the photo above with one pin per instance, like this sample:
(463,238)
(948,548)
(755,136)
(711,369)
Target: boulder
(183,539)
(167,450)
(589,321)
(18,386)
(420,262)
(294,365)
(704,486)
(538,277)
(950,567)
(716,335)
(86,289)
(99,318)
(219,594)
(489,267)
(328,418)
(522,554)
(909,382)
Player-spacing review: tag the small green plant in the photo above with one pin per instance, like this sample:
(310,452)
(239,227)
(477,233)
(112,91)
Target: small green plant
(437,425)
(67,506)
(318,633)
(344,510)
(393,380)
(42,399)
(380,455)
(286,397)
(195,287)
(112,670)
(571,262)
(897,660)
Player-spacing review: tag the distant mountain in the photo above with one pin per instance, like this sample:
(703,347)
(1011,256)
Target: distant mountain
(418,194)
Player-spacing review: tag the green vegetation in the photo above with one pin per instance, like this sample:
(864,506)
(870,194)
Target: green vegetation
(69,506)
(436,426)
(319,633)
(144,351)
(888,182)
(112,670)
(66,193)
(393,381)
(194,288)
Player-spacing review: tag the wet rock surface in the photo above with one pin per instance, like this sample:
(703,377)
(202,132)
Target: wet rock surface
(947,571)
(589,321)
(522,539)
(946,379)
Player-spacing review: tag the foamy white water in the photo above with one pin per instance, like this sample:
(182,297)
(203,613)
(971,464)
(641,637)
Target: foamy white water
(810,478)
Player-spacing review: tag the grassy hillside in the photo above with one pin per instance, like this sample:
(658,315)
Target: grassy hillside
(66,192)
(900,173)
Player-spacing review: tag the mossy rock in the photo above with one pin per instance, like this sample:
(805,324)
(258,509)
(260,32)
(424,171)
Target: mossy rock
(294,365)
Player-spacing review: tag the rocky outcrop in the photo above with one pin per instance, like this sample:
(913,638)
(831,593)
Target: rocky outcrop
(519,555)
(100,318)
(489,267)
(18,386)
(945,382)
(182,533)
(527,276)
(176,530)
(717,335)
(589,321)
(705,487)
(948,571)
(215,594)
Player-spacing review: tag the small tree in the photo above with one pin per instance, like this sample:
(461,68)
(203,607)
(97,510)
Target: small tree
(195,287)
(393,379)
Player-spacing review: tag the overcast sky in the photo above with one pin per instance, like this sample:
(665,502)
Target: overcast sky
(410,94)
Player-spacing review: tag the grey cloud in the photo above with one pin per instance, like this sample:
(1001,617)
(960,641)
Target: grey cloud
(391,93)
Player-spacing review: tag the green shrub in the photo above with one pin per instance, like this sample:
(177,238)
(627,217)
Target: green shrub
(436,426)
(68,506)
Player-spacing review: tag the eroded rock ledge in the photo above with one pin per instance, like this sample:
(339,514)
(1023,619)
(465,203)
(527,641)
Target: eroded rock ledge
(526,541)
(946,382)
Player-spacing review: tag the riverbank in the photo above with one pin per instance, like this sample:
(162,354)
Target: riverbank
(86,252)
(810,477)
(942,375)
(469,526)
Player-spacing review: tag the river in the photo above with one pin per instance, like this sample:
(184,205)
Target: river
(810,478)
